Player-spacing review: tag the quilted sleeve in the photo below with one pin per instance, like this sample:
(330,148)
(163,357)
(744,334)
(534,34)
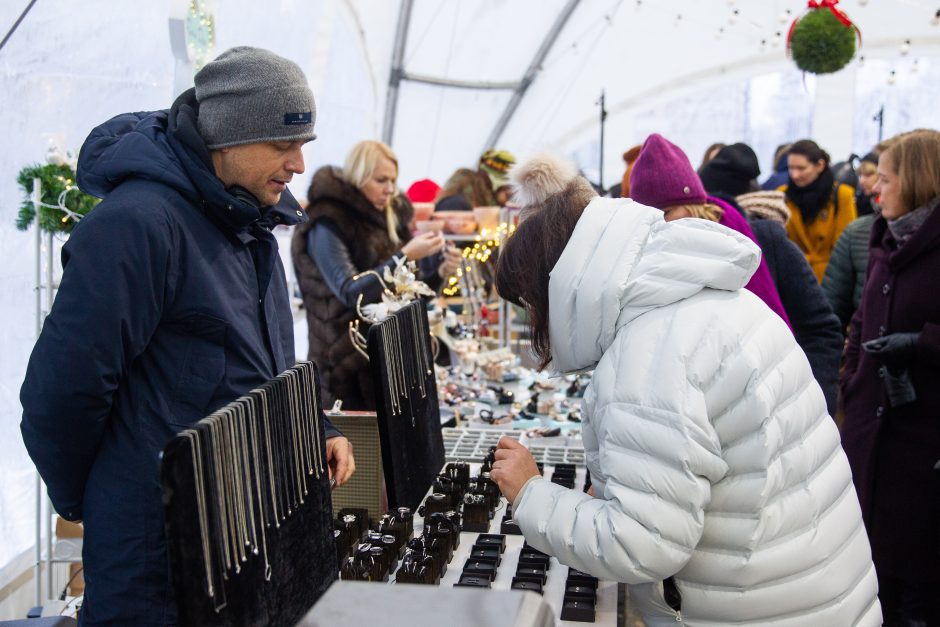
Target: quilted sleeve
(659,466)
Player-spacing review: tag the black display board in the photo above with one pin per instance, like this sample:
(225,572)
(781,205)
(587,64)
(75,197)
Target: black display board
(273,439)
(409,416)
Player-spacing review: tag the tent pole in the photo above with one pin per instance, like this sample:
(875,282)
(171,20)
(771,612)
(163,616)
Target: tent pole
(530,73)
(395,77)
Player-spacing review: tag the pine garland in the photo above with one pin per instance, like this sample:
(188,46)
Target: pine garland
(58,182)
(821,44)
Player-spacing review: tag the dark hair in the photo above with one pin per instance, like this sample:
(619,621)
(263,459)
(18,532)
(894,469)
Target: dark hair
(708,151)
(527,257)
(809,149)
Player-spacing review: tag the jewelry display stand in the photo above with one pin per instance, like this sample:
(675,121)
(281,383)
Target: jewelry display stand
(406,403)
(247,503)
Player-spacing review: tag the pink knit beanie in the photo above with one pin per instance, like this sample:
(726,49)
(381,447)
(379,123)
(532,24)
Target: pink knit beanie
(663,176)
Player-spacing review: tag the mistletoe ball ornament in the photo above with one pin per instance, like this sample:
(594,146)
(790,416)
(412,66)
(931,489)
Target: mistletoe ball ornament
(824,39)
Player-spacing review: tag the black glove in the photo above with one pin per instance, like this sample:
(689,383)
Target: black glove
(899,387)
(895,350)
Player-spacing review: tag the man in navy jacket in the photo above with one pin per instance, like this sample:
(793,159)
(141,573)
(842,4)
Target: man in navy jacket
(173,303)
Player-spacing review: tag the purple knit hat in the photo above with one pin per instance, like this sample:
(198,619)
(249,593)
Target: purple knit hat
(663,176)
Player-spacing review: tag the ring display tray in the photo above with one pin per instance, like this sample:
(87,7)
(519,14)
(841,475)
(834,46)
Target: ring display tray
(472,445)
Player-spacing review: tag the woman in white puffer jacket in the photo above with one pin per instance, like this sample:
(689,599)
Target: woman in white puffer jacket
(722,494)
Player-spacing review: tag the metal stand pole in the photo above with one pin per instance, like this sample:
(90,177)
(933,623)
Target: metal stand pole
(600,175)
(880,119)
(503,305)
(37,198)
(43,510)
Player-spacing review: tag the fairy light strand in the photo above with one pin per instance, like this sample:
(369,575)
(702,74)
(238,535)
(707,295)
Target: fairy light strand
(482,249)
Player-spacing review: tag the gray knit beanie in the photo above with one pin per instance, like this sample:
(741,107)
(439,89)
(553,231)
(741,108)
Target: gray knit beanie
(249,95)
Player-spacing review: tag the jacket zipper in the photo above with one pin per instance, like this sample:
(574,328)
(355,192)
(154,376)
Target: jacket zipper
(673,597)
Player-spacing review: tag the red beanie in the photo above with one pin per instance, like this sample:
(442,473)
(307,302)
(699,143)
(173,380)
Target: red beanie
(663,177)
(424,190)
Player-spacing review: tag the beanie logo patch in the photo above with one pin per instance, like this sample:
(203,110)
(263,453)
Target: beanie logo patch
(294,119)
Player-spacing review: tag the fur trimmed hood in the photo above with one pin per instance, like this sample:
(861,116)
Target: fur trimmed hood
(541,177)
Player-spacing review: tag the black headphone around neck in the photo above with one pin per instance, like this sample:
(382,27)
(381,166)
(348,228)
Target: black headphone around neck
(243,195)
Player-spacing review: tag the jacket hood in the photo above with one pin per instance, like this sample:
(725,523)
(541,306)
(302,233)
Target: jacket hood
(624,260)
(165,147)
(131,145)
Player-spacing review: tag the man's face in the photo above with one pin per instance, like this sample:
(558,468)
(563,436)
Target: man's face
(263,169)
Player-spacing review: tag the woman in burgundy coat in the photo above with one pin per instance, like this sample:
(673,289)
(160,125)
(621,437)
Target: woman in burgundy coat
(891,383)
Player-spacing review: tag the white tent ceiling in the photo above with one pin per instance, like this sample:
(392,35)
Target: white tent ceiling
(71,65)
(640,53)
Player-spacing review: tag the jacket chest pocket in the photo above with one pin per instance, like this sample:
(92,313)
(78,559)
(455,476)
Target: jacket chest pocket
(202,367)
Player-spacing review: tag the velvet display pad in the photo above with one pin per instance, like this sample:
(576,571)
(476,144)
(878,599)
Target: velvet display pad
(300,549)
(409,427)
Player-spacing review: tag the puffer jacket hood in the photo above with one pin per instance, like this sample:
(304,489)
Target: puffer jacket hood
(623,260)
(165,147)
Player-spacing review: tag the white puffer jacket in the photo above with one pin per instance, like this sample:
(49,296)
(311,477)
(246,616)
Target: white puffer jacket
(707,438)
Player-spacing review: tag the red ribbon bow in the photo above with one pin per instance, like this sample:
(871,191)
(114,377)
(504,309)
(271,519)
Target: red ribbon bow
(831,5)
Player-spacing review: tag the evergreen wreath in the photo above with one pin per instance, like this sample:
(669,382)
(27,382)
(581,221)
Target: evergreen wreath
(823,40)
(62,203)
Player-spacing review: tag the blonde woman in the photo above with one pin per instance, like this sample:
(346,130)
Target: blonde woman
(357,222)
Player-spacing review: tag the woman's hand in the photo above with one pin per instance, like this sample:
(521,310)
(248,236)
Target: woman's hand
(452,259)
(513,467)
(423,245)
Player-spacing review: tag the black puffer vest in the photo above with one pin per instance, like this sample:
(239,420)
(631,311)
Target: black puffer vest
(344,372)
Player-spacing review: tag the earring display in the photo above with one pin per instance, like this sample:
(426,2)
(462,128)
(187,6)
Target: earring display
(406,404)
(247,507)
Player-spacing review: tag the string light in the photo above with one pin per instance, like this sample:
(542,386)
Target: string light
(485,244)
(892,77)
(200,33)
(905,48)
(935,20)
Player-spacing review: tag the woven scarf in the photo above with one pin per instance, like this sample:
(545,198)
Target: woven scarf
(903,228)
(813,198)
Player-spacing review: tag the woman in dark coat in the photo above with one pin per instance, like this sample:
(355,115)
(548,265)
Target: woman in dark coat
(730,177)
(358,222)
(892,399)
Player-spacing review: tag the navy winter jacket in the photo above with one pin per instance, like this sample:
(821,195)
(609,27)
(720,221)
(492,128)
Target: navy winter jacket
(815,326)
(172,303)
